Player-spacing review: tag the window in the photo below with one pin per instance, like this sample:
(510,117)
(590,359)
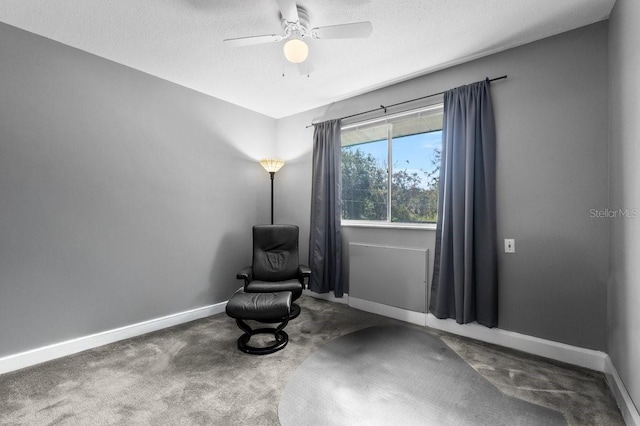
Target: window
(405,147)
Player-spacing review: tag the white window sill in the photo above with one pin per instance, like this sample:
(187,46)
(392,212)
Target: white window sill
(388,225)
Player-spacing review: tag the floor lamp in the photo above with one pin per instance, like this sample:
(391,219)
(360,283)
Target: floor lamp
(272,165)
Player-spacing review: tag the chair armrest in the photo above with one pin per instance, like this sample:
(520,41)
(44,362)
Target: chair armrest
(305,271)
(245,274)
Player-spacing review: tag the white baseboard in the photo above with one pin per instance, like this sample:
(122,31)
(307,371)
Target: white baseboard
(57,350)
(328,296)
(625,403)
(587,358)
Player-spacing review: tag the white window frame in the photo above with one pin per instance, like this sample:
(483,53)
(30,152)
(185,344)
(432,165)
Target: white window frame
(389,120)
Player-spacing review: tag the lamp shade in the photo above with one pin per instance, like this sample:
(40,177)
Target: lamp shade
(272,165)
(296,50)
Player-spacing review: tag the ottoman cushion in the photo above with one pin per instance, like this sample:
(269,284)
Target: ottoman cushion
(266,307)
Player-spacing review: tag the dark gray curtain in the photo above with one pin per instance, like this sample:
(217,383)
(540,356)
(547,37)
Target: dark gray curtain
(325,244)
(465,279)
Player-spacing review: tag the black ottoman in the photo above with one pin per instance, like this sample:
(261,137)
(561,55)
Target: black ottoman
(262,307)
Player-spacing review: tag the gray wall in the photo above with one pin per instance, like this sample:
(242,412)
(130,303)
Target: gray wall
(624,285)
(293,181)
(552,125)
(122,197)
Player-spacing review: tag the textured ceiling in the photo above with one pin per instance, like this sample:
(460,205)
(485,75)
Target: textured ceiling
(181,40)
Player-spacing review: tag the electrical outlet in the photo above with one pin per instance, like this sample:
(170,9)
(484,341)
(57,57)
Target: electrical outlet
(509,245)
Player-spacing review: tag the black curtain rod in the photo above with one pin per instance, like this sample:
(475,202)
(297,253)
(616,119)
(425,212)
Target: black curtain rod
(385,107)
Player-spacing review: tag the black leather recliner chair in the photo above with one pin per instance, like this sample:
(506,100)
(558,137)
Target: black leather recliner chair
(276,266)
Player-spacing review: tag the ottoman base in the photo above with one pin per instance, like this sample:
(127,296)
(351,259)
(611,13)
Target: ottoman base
(265,308)
(281,336)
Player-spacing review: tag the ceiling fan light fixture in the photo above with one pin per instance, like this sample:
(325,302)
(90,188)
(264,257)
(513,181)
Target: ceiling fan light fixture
(296,50)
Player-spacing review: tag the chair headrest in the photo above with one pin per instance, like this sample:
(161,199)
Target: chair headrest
(275,252)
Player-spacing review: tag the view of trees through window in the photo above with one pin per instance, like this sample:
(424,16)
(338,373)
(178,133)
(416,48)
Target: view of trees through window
(415,170)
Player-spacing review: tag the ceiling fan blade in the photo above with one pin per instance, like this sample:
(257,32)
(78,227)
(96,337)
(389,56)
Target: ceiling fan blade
(355,30)
(288,10)
(248,41)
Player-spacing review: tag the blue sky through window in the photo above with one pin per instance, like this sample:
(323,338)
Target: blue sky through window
(415,153)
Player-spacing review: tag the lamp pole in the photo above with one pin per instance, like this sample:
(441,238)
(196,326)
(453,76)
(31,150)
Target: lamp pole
(272,174)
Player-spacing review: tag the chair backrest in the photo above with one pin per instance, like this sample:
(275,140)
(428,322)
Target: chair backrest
(275,252)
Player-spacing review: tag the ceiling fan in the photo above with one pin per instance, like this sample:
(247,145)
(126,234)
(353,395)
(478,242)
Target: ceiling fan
(295,23)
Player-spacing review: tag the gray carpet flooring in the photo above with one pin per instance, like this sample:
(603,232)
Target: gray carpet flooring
(193,374)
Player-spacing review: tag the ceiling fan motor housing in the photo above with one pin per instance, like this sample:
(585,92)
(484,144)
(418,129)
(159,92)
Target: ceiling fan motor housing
(299,27)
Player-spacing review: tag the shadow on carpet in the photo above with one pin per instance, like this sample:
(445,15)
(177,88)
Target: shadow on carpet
(392,375)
